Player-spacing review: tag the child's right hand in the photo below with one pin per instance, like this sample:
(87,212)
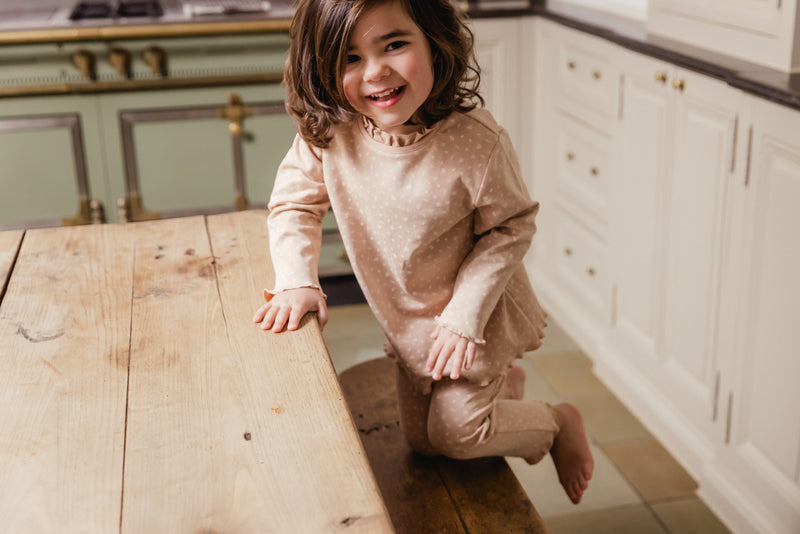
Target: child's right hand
(287,308)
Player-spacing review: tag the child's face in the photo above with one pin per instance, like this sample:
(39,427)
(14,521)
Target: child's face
(389,72)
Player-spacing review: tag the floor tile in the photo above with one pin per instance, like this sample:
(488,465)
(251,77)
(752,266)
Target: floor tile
(536,387)
(635,519)
(352,335)
(556,340)
(651,469)
(569,372)
(608,488)
(606,419)
(688,516)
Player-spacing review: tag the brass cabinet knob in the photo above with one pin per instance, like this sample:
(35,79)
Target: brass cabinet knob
(120,60)
(679,84)
(594,171)
(591,271)
(571,65)
(570,155)
(596,74)
(661,76)
(156,59)
(84,61)
(567,251)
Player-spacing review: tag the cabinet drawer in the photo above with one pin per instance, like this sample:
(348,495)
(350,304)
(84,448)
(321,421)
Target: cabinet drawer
(586,74)
(580,260)
(583,165)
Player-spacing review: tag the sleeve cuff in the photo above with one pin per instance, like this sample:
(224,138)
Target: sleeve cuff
(269,293)
(455,330)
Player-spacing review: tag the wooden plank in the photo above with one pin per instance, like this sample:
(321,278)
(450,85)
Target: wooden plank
(9,245)
(487,494)
(414,493)
(216,432)
(304,453)
(64,333)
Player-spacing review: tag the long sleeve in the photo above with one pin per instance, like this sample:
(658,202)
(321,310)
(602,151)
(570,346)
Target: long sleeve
(504,226)
(298,203)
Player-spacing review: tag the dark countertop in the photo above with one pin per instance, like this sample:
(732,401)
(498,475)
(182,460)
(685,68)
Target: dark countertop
(777,86)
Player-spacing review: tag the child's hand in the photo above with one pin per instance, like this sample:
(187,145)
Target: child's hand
(447,345)
(287,308)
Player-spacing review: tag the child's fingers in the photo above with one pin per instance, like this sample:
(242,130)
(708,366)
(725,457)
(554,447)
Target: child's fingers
(470,358)
(260,313)
(269,317)
(280,319)
(295,315)
(435,333)
(441,361)
(458,358)
(322,314)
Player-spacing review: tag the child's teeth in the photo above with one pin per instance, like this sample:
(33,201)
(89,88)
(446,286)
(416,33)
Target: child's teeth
(383,94)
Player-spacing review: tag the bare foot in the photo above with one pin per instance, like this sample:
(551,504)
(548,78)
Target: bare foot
(571,453)
(516,382)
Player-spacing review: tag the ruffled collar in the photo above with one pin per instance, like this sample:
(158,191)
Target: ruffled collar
(396,140)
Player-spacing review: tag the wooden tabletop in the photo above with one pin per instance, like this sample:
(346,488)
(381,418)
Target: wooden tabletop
(137,396)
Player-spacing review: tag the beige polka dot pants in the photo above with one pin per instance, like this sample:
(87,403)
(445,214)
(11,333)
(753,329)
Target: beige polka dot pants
(463,420)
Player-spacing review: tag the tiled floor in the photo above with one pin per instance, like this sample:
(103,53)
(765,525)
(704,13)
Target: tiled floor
(637,487)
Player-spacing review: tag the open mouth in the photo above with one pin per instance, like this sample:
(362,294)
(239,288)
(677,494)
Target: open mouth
(386,95)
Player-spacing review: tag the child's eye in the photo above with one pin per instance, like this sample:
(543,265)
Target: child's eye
(394,45)
(352,58)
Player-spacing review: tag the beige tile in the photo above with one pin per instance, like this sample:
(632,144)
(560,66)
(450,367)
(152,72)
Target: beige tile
(536,387)
(688,516)
(651,469)
(556,340)
(570,373)
(606,419)
(608,488)
(623,520)
(352,335)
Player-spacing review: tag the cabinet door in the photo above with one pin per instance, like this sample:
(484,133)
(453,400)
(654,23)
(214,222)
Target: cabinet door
(761,463)
(49,165)
(705,124)
(639,214)
(182,152)
(497,51)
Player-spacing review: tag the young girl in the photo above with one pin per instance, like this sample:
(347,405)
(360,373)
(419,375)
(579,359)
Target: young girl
(435,219)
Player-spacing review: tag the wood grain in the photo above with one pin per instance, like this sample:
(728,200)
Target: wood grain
(231,428)
(64,326)
(9,245)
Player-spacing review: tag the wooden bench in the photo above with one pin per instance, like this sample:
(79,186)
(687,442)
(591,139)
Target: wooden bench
(424,494)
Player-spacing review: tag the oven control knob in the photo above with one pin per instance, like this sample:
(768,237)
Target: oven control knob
(84,61)
(156,59)
(120,59)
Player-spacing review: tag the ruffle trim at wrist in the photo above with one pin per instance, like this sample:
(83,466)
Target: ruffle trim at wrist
(453,329)
(269,293)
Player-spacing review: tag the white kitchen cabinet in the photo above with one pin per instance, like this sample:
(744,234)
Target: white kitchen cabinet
(755,477)
(497,45)
(577,117)
(678,152)
(766,32)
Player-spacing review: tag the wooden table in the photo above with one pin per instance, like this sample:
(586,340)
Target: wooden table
(137,396)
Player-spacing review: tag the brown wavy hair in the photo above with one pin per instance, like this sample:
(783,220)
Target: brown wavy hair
(320,36)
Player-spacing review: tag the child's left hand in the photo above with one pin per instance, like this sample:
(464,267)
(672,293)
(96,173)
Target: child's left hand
(447,345)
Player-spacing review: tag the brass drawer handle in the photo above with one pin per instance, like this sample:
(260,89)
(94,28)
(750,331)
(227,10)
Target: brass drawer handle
(661,76)
(679,84)
(570,155)
(590,271)
(567,251)
(571,65)
(341,255)
(596,74)
(594,171)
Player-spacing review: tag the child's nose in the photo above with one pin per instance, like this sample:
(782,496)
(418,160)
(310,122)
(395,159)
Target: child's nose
(375,71)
